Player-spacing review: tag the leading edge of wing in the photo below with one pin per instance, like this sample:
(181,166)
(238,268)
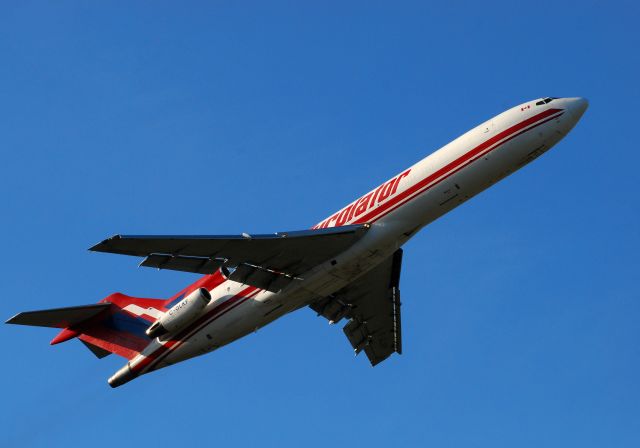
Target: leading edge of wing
(111,245)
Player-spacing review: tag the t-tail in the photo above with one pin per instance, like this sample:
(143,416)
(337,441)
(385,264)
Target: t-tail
(122,324)
(117,324)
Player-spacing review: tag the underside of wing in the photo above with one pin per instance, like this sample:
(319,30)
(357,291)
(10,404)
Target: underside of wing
(372,305)
(265,261)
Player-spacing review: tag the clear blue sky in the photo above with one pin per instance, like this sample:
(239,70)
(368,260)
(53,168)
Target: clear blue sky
(521,308)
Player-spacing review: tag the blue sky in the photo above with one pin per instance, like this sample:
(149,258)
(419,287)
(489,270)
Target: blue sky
(521,308)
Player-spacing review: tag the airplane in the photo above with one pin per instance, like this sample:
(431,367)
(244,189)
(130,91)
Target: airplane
(345,267)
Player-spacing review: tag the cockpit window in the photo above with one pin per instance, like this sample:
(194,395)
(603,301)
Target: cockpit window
(546,101)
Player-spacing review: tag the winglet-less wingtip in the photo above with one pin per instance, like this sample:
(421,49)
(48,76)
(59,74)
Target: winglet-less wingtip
(98,247)
(12,320)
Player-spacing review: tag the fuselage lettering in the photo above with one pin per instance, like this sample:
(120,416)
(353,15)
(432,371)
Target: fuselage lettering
(366,202)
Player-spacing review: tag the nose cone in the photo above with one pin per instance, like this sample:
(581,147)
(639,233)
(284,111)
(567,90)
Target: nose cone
(577,107)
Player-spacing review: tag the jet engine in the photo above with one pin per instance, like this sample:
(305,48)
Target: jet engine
(181,314)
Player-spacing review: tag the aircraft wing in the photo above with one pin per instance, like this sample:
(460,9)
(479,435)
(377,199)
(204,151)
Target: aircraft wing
(266,261)
(372,303)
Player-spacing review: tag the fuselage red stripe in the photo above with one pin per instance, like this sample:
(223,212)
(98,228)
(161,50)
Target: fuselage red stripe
(181,337)
(459,163)
(178,343)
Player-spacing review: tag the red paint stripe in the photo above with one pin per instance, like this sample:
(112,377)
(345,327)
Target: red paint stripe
(457,164)
(460,168)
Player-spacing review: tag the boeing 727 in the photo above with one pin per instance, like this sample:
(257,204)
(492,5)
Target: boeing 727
(345,267)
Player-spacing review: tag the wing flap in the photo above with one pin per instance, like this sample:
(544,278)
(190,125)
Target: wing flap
(260,277)
(198,265)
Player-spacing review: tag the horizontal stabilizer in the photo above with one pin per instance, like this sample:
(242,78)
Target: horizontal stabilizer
(59,317)
(99,352)
(117,324)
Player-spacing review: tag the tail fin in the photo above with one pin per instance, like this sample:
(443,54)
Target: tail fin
(115,325)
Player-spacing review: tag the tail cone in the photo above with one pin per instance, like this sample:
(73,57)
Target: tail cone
(122,376)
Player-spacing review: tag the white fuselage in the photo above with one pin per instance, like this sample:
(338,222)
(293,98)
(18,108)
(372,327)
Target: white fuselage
(396,211)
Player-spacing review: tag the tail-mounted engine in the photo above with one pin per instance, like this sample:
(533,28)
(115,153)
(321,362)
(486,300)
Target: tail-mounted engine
(181,314)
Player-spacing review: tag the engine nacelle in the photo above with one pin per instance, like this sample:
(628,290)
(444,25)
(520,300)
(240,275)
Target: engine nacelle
(181,314)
